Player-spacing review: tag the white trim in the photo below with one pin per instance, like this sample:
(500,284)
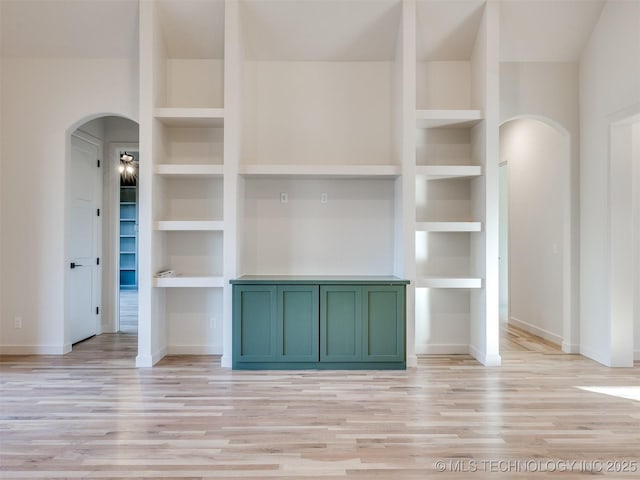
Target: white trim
(35,349)
(442,349)
(225,360)
(570,243)
(412,361)
(486,360)
(636,356)
(194,350)
(98,224)
(595,355)
(112,204)
(540,332)
(143,361)
(571,348)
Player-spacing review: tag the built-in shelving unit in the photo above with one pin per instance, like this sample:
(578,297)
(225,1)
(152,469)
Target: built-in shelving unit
(447,118)
(450,174)
(189,282)
(184,171)
(190,117)
(187,120)
(322,171)
(128,236)
(281,141)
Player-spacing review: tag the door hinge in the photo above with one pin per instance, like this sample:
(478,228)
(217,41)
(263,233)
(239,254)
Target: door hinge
(98,163)
(97,310)
(98,261)
(98,212)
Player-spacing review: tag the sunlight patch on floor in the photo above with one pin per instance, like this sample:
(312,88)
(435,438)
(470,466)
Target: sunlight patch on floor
(629,392)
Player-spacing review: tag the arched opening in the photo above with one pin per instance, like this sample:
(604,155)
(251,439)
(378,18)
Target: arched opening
(535,230)
(101,229)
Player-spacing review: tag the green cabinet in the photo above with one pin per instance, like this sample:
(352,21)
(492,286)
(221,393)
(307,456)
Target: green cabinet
(362,323)
(292,323)
(275,323)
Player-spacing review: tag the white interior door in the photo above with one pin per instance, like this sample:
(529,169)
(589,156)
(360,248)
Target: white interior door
(83,243)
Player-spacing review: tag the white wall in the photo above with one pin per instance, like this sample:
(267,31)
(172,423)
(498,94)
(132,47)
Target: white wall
(536,154)
(609,83)
(351,234)
(43,100)
(636,199)
(504,245)
(352,120)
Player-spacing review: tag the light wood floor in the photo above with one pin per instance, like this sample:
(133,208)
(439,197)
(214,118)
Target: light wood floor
(90,414)
(128,311)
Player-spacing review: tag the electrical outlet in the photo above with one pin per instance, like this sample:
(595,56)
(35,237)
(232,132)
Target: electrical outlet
(284,197)
(17,322)
(323,198)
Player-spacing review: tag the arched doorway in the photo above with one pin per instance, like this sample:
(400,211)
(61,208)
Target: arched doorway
(95,146)
(536,247)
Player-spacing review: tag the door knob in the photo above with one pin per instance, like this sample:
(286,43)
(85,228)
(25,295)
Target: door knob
(74,265)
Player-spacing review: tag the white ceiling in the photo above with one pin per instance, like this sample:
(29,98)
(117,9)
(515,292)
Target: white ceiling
(69,28)
(193,28)
(546,30)
(530,30)
(328,30)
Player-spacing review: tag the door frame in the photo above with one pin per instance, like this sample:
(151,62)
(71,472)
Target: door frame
(112,208)
(623,255)
(570,242)
(97,245)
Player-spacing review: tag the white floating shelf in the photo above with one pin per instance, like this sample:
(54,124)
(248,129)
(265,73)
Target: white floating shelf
(448,226)
(448,282)
(189,225)
(186,170)
(188,282)
(328,171)
(440,172)
(447,118)
(190,117)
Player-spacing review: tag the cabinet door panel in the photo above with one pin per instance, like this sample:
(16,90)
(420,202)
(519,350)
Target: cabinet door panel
(340,323)
(298,323)
(255,331)
(383,324)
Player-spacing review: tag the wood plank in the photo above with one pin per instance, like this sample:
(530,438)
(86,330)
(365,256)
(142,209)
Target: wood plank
(90,414)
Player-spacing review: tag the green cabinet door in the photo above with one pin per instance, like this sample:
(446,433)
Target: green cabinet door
(297,319)
(340,323)
(275,323)
(254,323)
(383,324)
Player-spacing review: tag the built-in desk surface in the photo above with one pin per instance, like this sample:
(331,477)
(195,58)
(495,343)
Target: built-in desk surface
(319,280)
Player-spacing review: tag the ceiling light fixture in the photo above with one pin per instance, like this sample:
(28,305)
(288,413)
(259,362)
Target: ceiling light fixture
(127,166)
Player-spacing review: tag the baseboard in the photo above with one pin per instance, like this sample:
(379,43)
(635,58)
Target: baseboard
(194,350)
(442,349)
(484,359)
(595,355)
(540,332)
(35,349)
(226,361)
(144,361)
(571,348)
(412,361)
